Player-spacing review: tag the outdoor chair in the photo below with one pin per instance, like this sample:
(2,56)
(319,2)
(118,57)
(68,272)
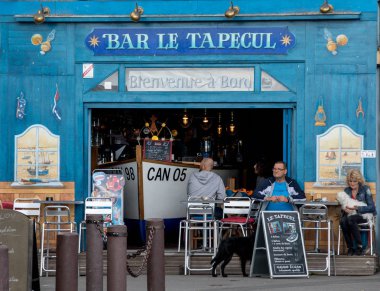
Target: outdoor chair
(28,206)
(369,228)
(95,205)
(200,218)
(57,220)
(314,217)
(238,212)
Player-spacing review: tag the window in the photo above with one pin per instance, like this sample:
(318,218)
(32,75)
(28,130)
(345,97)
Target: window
(338,151)
(37,154)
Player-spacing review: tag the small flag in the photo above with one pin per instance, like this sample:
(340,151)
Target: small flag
(21,103)
(56,111)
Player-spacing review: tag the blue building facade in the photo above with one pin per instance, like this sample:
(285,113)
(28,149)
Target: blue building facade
(318,60)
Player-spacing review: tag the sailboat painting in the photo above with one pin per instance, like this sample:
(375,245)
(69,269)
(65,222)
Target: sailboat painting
(338,152)
(37,154)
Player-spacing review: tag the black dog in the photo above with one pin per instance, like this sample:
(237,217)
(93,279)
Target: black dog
(242,246)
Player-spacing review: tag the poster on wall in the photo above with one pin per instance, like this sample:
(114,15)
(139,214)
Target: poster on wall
(109,183)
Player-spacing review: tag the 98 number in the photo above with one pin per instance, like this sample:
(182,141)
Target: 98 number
(129,174)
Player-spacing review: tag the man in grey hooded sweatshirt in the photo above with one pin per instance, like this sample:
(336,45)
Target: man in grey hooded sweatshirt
(206,184)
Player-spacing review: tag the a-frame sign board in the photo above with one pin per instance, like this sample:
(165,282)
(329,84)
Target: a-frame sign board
(279,250)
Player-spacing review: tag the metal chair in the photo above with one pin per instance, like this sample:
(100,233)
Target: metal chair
(57,219)
(238,212)
(182,223)
(200,217)
(28,206)
(368,227)
(95,205)
(314,217)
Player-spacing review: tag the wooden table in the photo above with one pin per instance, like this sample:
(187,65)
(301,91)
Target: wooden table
(327,203)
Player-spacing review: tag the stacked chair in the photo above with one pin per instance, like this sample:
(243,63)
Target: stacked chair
(200,219)
(57,220)
(314,217)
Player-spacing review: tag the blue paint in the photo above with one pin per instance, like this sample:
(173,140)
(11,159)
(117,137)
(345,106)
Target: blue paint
(190,41)
(308,69)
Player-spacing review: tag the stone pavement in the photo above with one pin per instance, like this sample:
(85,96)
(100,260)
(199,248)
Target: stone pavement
(238,283)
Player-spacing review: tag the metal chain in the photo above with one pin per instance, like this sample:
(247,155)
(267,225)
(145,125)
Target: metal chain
(100,228)
(147,250)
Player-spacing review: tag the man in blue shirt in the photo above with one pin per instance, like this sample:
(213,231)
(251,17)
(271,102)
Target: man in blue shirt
(280,191)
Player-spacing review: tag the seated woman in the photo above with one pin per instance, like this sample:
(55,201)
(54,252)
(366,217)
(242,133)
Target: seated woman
(352,216)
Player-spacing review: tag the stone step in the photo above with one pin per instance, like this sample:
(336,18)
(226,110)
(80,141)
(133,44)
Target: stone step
(174,264)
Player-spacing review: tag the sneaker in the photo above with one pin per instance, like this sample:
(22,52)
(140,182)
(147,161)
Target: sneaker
(360,251)
(350,252)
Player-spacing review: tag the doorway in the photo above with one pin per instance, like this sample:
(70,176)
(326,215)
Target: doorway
(258,135)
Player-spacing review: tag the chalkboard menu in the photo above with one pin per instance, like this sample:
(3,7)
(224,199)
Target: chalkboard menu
(279,240)
(158,150)
(16,232)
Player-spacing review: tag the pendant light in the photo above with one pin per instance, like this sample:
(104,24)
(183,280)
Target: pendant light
(219,129)
(232,127)
(186,120)
(206,122)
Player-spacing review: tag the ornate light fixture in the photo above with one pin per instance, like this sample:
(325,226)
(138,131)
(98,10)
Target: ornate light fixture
(232,11)
(185,120)
(39,17)
(232,127)
(326,7)
(136,13)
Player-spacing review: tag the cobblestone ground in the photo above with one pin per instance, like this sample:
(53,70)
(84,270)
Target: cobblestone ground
(204,283)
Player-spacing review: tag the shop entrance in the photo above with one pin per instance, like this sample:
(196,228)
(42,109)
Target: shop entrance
(234,138)
(259,134)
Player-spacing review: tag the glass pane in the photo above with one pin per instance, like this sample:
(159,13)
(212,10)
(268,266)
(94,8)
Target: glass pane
(28,140)
(330,141)
(328,173)
(351,157)
(348,167)
(350,141)
(25,158)
(46,141)
(329,158)
(109,84)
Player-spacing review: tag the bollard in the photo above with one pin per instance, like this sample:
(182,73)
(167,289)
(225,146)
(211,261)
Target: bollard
(117,258)
(67,262)
(156,260)
(94,254)
(4,267)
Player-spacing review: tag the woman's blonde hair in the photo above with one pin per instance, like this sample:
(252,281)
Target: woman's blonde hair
(355,175)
